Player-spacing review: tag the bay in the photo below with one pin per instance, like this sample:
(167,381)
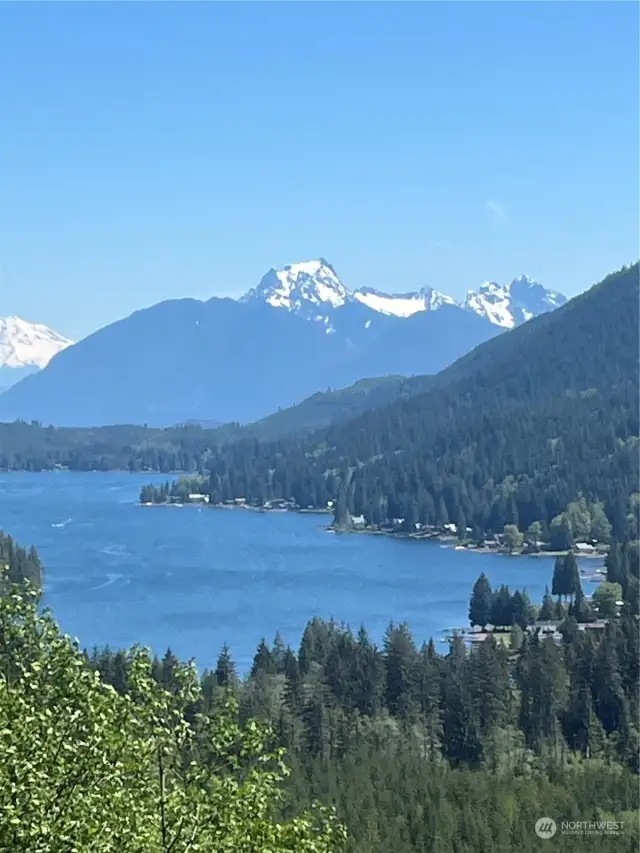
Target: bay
(194,578)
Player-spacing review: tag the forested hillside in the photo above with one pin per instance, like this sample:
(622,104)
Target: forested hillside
(510,434)
(402,748)
(185,447)
(18,565)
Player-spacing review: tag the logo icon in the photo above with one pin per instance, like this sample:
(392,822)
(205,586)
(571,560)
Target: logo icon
(545,827)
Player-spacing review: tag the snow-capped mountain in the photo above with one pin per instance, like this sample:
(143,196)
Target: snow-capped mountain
(514,303)
(24,344)
(403,304)
(308,288)
(314,290)
(300,330)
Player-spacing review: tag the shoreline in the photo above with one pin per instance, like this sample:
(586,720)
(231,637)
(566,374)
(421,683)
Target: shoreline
(444,540)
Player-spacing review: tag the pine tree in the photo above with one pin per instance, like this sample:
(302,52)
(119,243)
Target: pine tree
(401,658)
(225,671)
(571,574)
(501,607)
(558,586)
(263,660)
(546,611)
(481,602)
(522,612)
(608,692)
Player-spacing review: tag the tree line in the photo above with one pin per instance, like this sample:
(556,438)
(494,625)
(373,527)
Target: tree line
(546,443)
(339,745)
(34,447)
(411,745)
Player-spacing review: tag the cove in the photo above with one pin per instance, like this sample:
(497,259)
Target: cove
(195,578)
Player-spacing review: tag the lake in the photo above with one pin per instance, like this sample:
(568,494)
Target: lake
(194,578)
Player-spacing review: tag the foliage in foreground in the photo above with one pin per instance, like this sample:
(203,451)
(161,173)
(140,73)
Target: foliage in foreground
(85,769)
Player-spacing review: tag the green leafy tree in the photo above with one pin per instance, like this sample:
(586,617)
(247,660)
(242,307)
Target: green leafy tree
(534,533)
(605,598)
(83,768)
(513,539)
(600,524)
(579,518)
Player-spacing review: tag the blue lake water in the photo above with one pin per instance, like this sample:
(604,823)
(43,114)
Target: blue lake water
(118,574)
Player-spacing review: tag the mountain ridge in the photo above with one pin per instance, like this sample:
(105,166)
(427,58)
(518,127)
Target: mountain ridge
(495,439)
(226,360)
(314,290)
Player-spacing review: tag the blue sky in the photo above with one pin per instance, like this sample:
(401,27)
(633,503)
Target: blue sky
(152,151)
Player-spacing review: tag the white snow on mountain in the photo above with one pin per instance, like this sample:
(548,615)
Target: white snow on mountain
(403,304)
(298,285)
(515,303)
(490,301)
(24,344)
(314,290)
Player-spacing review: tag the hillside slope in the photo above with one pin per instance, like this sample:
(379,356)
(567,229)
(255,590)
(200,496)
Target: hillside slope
(185,447)
(176,361)
(222,360)
(509,434)
(299,331)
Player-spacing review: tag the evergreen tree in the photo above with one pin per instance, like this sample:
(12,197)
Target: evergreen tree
(522,613)
(263,660)
(571,574)
(481,601)
(401,659)
(546,611)
(501,607)
(609,699)
(561,533)
(225,671)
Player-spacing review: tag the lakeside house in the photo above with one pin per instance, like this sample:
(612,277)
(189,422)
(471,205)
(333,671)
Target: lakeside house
(544,630)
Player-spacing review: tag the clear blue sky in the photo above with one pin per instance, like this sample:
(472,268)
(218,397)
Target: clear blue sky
(157,150)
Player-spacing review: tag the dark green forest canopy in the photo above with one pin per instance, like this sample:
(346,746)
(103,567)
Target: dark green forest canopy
(510,434)
(185,448)
(418,751)
(417,748)
(19,566)
(33,447)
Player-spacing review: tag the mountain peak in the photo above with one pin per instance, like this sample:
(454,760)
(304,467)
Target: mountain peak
(301,287)
(313,290)
(24,344)
(525,279)
(512,304)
